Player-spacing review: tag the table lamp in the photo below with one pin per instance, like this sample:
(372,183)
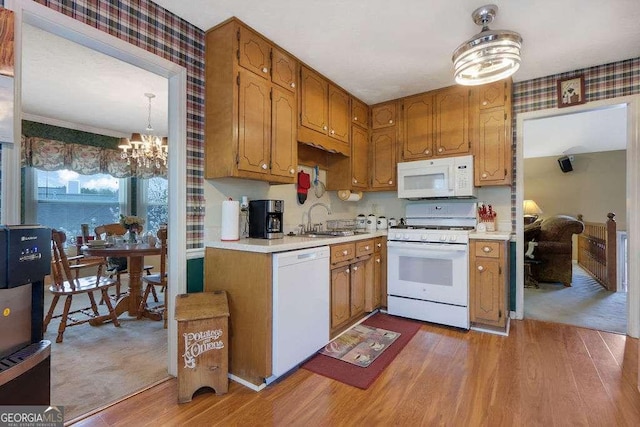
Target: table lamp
(531,211)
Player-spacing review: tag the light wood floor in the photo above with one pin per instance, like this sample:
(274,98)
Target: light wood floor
(542,374)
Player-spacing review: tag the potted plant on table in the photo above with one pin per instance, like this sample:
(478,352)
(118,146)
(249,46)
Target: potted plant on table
(133,224)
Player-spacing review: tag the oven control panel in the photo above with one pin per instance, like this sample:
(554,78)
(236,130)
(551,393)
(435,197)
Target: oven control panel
(437,236)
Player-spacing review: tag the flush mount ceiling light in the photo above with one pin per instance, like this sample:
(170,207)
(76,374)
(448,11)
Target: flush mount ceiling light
(147,150)
(488,56)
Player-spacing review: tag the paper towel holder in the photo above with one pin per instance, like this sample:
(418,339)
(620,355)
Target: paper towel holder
(350,196)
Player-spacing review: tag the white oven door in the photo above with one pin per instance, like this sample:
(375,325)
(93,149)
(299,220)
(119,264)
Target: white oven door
(429,271)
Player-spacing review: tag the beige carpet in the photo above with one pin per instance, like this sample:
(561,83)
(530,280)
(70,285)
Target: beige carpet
(586,303)
(95,366)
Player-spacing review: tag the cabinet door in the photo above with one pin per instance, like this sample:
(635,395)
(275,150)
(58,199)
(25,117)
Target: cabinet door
(254,52)
(487,292)
(359,157)
(339,117)
(359,113)
(383,159)
(6,42)
(418,127)
(284,70)
(383,116)
(492,95)
(358,282)
(313,101)
(452,121)
(340,295)
(493,154)
(254,123)
(372,280)
(382,243)
(284,144)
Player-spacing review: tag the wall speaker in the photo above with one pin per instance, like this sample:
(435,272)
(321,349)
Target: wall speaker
(565,164)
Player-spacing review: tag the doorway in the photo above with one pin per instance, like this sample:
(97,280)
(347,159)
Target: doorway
(632,181)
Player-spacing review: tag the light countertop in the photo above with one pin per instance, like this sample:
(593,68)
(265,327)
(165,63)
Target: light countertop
(490,235)
(288,243)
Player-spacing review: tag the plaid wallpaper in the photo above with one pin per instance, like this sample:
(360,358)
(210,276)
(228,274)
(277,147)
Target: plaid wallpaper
(601,82)
(150,27)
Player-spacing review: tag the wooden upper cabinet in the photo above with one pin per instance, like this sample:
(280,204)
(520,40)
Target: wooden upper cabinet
(6,42)
(492,95)
(383,159)
(284,144)
(284,70)
(452,121)
(383,115)
(254,130)
(314,97)
(339,117)
(359,157)
(418,118)
(359,113)
(254,52)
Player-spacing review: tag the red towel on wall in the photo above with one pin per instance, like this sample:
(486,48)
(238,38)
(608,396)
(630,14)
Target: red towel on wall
(304,183)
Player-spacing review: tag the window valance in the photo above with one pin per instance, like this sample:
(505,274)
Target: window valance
(51,155)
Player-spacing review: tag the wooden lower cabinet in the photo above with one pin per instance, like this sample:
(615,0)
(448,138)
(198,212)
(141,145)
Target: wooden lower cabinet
(489,284)
(352,283)
(250,297)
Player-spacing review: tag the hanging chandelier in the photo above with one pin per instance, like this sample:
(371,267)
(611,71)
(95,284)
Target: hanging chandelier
(145,150)
(488,56)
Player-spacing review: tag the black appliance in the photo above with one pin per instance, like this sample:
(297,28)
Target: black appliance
(25,358)
(265,219)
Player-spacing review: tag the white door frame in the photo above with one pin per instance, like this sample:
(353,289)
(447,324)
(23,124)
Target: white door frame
(69,28)
(633,199)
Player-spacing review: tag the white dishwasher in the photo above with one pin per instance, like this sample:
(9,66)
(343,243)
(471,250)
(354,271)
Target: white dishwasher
(301,292)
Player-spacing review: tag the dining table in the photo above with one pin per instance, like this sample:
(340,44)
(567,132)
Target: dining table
(130,301)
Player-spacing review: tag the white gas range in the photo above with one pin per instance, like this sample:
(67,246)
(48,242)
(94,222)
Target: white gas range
(428,263)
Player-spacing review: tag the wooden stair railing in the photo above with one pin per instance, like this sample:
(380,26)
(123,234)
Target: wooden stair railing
(597,251)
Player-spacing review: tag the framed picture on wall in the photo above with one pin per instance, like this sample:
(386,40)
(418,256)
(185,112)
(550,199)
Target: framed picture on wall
(571,91)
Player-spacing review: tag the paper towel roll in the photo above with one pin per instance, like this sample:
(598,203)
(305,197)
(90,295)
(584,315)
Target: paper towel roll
(349,196)
(230,229)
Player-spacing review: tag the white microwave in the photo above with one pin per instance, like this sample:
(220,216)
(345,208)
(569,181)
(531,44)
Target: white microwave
(437,178)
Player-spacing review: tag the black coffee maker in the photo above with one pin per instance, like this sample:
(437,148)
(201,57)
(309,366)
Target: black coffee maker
(265,219)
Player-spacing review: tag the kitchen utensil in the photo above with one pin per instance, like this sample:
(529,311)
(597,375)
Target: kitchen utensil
(304,182)
(318,186)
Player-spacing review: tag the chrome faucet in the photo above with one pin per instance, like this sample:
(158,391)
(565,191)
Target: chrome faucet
(310,223)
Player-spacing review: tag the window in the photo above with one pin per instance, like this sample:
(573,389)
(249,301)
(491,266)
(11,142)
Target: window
(65,199)
(153,201)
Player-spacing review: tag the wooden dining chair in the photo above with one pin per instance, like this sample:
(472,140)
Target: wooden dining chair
(66,283)
(117,266)
(158,279)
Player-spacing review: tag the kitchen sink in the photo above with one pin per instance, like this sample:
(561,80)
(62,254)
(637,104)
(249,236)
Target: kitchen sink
(329,233)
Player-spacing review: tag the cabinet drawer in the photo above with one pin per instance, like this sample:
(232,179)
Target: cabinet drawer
(364,247)
(343,252)
(487,249)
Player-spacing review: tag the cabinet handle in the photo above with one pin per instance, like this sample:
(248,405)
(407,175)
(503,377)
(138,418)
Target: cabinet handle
(347,271)
(379,245)
(355,268)
(293,84)
(391,121)
(487,249)
(484,175)
(427,151)
(292,171)
(480,268)
(390,182)
(265,70)
(264,166)
(440,150)
(355,181)
(378,260)
(324,127)
(345,252)
(333,132)
(366,248)
(355,118)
